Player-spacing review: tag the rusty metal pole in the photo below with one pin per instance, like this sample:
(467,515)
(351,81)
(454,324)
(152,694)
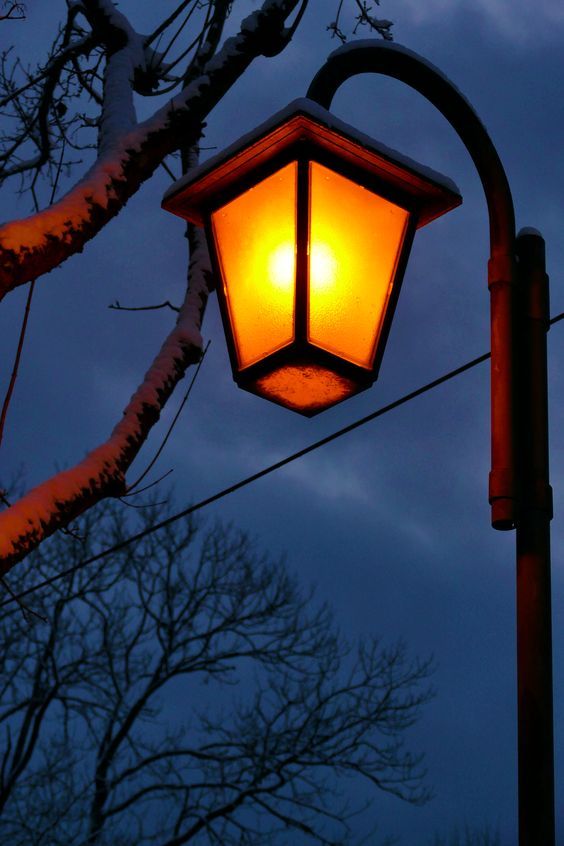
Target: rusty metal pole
(534,626)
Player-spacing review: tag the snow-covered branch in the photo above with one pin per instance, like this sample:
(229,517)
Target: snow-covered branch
(125,58)
(37,244)
(62,498)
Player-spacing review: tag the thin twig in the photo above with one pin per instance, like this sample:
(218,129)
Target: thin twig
(142,504)
(298,19)
(176,35)
(151,485)
(118,307)
(15,13)
(57,174)
(166,23)
(172,425)
(72,534)
(15,368)
(168,170)
(25,609)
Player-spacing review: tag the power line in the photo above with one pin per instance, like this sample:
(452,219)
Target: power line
(429,386)
(253,478)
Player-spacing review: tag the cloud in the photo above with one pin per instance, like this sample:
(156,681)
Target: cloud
(517,20)
(336,481)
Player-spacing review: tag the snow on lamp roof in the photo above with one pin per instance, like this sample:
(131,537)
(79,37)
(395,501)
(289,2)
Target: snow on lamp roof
(305,122)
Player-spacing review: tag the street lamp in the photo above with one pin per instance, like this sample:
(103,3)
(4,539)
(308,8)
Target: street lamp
(310,225)
(274,281)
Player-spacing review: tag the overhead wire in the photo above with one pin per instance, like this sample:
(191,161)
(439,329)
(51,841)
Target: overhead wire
(271,468)
(250,479)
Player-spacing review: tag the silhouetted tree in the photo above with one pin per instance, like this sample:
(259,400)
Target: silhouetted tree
(188,690)
(12,11)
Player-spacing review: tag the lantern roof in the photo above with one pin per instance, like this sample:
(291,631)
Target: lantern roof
(303,120)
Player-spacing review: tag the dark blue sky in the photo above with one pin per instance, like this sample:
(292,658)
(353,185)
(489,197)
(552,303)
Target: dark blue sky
(391,522)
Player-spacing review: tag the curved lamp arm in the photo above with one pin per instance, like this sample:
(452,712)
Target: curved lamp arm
(393,60)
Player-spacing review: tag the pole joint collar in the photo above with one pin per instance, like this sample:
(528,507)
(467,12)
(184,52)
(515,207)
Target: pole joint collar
(501,270)
(503,499)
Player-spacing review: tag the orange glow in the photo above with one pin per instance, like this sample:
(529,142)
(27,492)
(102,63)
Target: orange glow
(356,239)
(306,388)
(323,268)
(255,236)
(281,267)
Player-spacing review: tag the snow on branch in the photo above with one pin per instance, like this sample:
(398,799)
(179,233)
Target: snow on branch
(35,245)
(126,57)
(65,496)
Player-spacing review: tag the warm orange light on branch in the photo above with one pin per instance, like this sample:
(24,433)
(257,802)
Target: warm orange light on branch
(309,227)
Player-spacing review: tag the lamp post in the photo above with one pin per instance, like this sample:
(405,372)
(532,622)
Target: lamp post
(307,172)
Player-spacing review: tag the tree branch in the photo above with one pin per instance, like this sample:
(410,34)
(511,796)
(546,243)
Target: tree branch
(62,498)
(16,12)
(34,246)
(15,367)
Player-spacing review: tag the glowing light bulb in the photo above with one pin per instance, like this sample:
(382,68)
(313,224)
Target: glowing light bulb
(282,266)
(323,266)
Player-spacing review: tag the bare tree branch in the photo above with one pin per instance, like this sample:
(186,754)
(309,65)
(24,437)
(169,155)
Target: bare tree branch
(34,246)
(363,18)
(167,304)
(249,764)
(15,12)
(15,366)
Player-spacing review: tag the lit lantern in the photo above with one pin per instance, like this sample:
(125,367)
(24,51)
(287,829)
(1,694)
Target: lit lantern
(310,225)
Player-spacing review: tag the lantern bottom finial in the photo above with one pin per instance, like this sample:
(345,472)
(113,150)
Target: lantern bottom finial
(305,388)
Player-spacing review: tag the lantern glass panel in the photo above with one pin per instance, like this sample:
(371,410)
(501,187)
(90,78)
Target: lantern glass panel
(355,241)
(255,240)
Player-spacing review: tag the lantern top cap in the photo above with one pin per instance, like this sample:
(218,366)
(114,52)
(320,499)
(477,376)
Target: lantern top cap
(304,120)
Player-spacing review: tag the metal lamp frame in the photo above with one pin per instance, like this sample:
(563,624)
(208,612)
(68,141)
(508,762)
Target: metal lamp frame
(301,351)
